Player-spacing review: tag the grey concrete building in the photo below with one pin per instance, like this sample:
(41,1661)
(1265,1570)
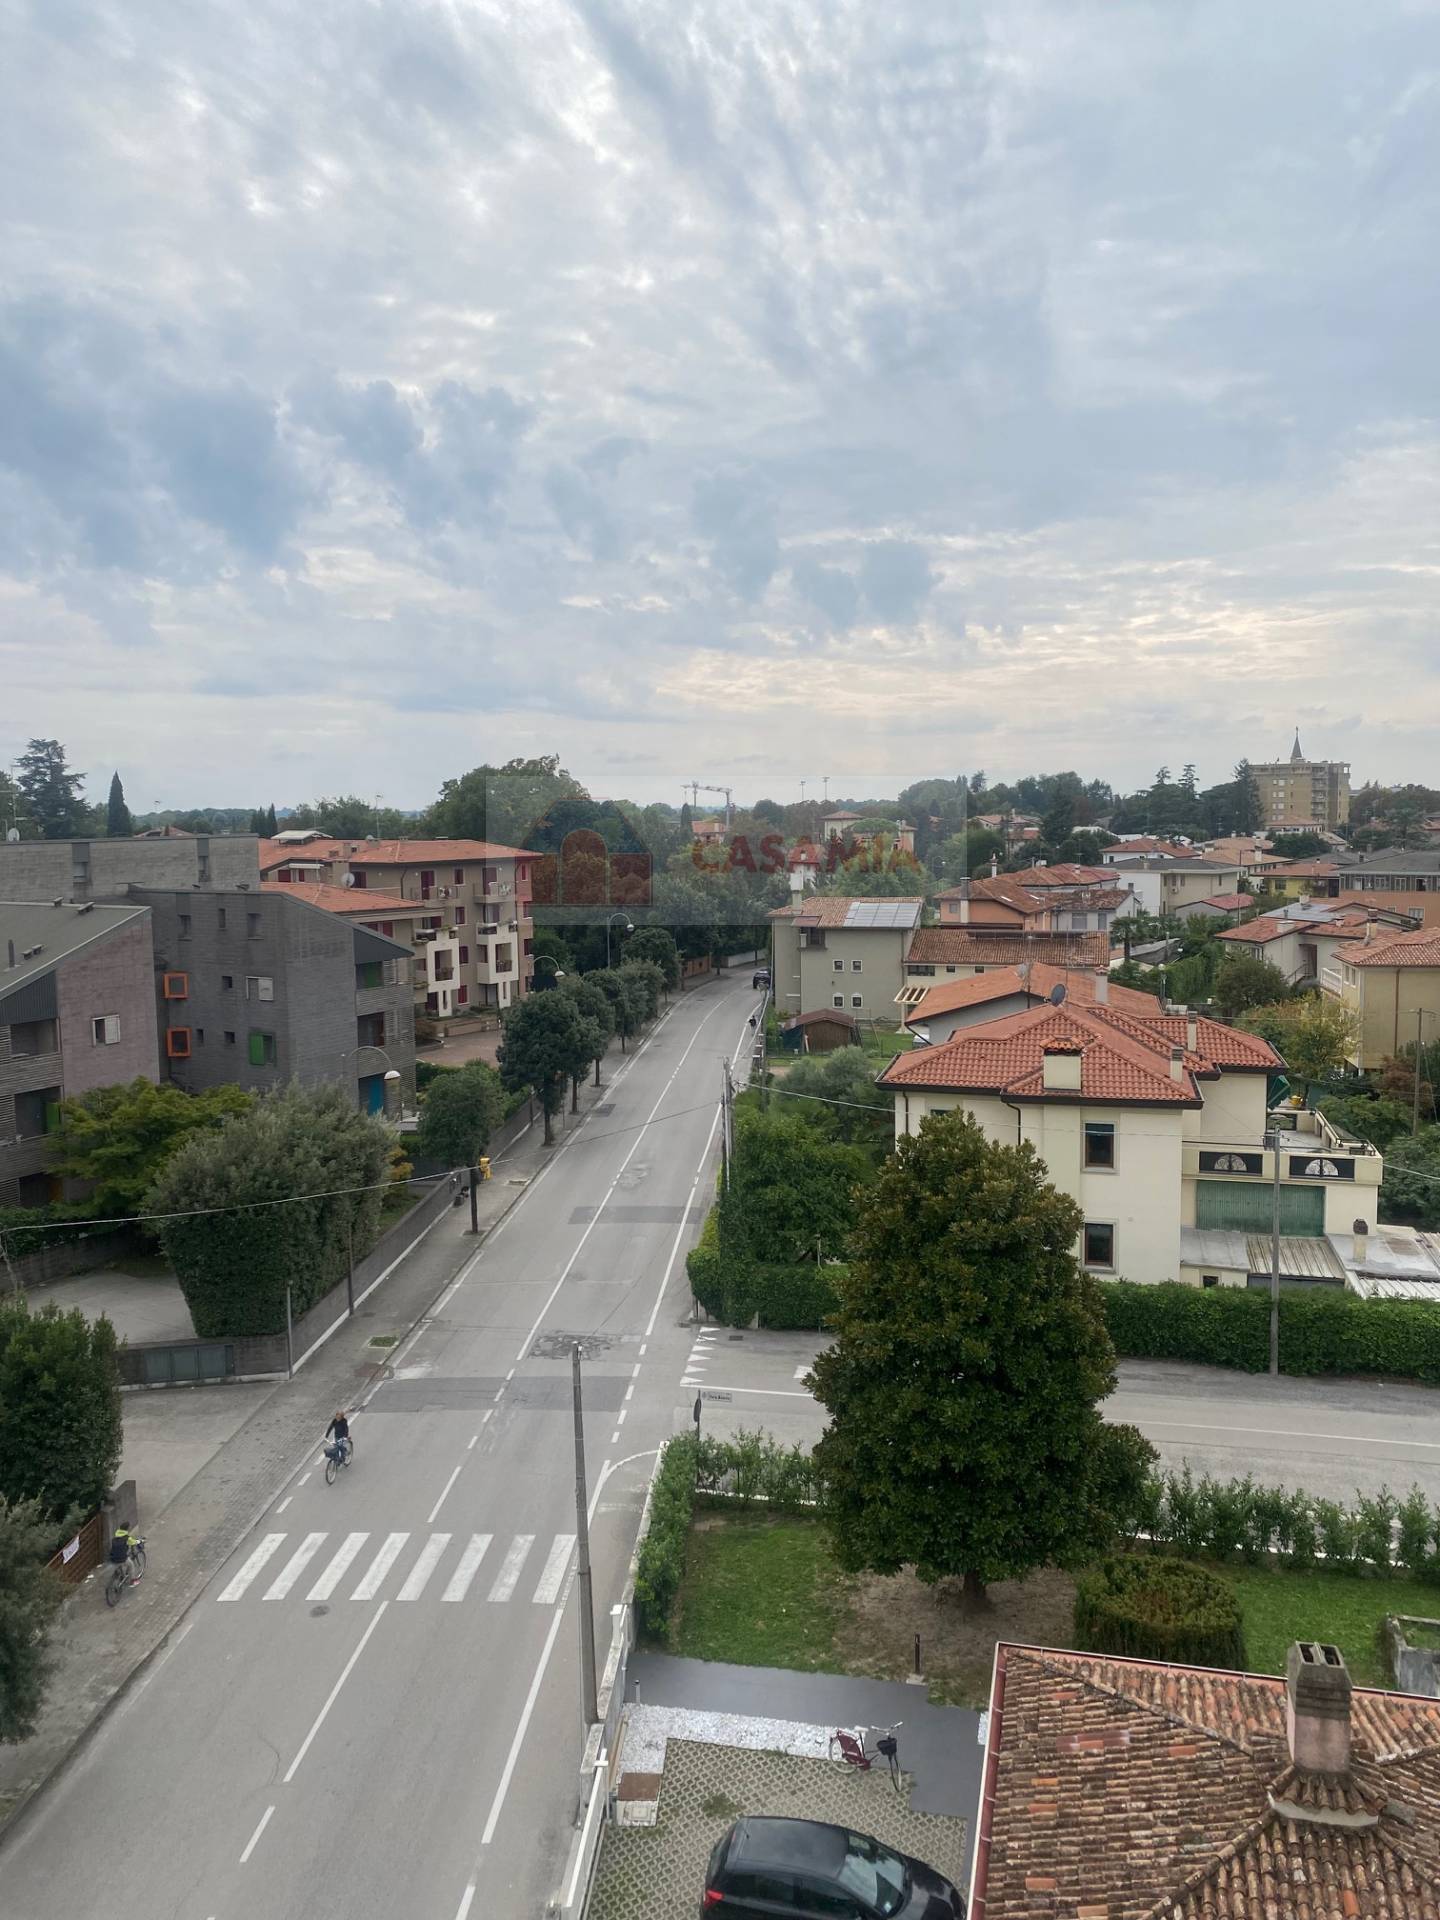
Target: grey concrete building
(77,1011)
(107,869)
(256,989)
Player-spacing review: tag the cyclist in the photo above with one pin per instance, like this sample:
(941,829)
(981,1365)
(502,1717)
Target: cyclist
(121,1547)
(340,1427)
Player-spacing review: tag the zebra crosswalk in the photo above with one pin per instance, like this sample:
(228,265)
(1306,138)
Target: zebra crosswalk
(415,1560)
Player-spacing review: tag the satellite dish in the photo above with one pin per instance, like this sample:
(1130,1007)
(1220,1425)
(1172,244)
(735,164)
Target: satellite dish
(1056,995)
(12,834)
(347,880)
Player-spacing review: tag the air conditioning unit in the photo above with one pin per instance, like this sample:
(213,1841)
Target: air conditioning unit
(426,933)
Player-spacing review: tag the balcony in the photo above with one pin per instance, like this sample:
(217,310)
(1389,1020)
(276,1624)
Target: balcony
(1313,1152)
(37,1113)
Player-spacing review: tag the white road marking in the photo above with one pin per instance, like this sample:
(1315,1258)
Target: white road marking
(464,1906)
(266,1550)
(380,1566)
(304,1477)
(520,1731)
(473,1438)
(420,1573)
(630,1390)
(338,1567)
(255,1836)
(1291,1433)
(614,1436)
(635,1370)
(620,1418)
(642,1349)
(509,1574)
(679,1231)
(554,1574)
(345,1673)
(295,1566)
(283,1504)
(469,1563)
(443,1491)
(778,1393)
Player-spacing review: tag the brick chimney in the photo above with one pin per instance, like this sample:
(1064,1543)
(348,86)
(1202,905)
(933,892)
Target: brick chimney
(1102,989)
(1060,1065)
(1317,1708)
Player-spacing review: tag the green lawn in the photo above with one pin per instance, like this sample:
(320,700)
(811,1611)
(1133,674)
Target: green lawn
(1341,1608)
(759,1593)
(886,1045)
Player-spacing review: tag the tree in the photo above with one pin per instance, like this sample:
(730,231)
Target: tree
(60,1425)
(273,1204)
(655,944)
(1245,809)
(1314,1034)
(791,1191)
(30,1597)
(1244,982)
(1299,846)
(119,824)
(627,1007)
(1410,1191)
(544,1036)
(970,1358)
(461,1109)
(841,1097)
(118,1139)
(596,1010)
(1362,1117)
(1059,822)
(500,803)
(52,792)
(548,946)
(648,983)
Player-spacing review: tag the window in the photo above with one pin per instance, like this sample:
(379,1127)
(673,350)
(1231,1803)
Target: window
(857,1000)
(387,927)
(857,966)
(459,916)
(227,981)
(175,986)
(1209,1279)
(229,1039)
(1099,1244)
(105,1031)
(262,1049)
(369,973)
(464,956)
(184,926)
(462,994)
(838,1000)
(459,876)
(259,986)
(220,919)
(1099,1144)
(837,966)
(177,1043)
(358,876)
(252,926)
(199,1036)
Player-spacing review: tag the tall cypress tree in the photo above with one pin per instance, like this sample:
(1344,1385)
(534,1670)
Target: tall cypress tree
(118,822)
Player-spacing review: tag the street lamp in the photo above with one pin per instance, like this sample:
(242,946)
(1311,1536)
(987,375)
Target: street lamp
(392,1073)
(629,928)
(549,960)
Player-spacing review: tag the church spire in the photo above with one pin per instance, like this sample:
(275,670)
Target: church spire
(1295,753)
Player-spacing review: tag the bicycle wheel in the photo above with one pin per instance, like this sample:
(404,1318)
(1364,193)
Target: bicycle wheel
(137,1554)
(330,1469)
(895,1779)
(114,1586)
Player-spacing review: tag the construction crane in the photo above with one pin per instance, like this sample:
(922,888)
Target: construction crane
(697,787)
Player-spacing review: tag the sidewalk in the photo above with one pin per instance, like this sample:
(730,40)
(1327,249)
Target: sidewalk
(98,1652)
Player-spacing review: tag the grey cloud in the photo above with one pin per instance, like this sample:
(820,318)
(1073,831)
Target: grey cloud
(374,424)
(581,511)
(895,579)
(831,589)
(730,509)
(221,454)
(476,437)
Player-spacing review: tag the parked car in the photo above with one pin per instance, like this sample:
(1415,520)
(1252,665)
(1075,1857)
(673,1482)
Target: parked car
(760,977)
(771,1869)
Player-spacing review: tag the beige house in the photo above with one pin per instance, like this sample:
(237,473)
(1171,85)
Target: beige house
(831,951)
(1393,985)
(1301,792)
(936,1014)
(1157,1128)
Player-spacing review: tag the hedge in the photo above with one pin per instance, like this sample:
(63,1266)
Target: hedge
(25,1230)
(734,1290)
(1324,1332)
(1160,1610)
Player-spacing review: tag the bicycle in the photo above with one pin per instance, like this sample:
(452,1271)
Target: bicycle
(340,1455)
(123,1576)
(855,1753)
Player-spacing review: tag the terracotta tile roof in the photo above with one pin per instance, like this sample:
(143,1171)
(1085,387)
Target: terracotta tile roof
(1008,891)
(830,909)
(1419,949)
(975,946)
(357,900)
(1121,1061)
(386,853)
(1227,902)
(1260,932)
(1220,1045)
(1147,843)
(1003,982)
(1303,870)
(1128,1790)
(1064,873)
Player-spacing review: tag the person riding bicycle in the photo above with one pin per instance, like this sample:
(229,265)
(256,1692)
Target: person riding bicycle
(340,1427)
(122,1544)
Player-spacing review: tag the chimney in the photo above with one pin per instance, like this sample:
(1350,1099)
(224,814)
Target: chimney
(1369,933)
(1102,989)
(965,903)
(1360,1234)
(1061,1062)
(1317,1708)
(1177,1063)
(1192,1030)
(994,867)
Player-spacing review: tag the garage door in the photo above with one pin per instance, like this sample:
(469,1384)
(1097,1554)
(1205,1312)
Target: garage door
(1243,1206)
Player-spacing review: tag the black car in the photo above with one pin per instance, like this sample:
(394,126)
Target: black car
(777,1868)
(760,977)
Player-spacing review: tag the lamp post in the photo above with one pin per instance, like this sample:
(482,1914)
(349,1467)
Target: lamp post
(392,1074)
(1273,1141)
(549,960)
(629,928)
(392,1079)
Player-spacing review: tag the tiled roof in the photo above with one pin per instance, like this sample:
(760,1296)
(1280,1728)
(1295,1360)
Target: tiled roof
(1420,949)
(1303,870)
(1120,1060)
(1222,1046)
(1130,1790)
(1272,926)
(830,909)
(974,946)
(357,900)
(1008,891)
(386,853)
(1147,843)
(1003,982)
(1064,873)
(1226,902)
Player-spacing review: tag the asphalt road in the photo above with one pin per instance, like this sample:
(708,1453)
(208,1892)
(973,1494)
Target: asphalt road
(374,1709)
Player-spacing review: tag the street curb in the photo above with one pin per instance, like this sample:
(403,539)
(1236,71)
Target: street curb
(12,1819)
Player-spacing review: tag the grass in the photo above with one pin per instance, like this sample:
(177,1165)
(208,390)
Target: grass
(766,1592)
(885,1045)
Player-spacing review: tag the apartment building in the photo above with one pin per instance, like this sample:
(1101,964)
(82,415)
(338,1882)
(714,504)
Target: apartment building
(1392,983)
(831,951)
(473,945)
(77,1011)
(1159,1127)
(1302,793)
(937,1013)
(258,987)
(105,869)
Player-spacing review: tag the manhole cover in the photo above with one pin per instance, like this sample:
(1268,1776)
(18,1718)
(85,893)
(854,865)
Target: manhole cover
(315,1612)
(559,1346)
(734,1336)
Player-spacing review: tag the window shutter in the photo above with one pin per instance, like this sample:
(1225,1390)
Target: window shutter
(112,1029)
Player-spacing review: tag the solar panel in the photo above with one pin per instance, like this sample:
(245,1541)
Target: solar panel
(882,913)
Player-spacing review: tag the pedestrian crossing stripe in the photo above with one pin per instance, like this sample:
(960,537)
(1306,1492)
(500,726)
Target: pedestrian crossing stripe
(460,1556)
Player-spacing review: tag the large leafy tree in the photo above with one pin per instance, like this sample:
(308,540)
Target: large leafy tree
(545,1041)
(1245,813)
(119,1138)
(461,1109)
(596,1010)
(60,1425)
(836,1093)
(500,803)
(647,981)
(1313,1033)
(627,1003)
(1361,1117)
(119,823)
(30,1597)
(1244,982)
(656,944)
(52,791)
(1411,1189)
(970,1358)
(792,1192)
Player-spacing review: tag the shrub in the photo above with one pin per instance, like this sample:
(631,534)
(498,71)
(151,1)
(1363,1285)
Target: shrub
(30,1597)
(60,1421)
(1159,1609)
(754,1467)
(660,1563)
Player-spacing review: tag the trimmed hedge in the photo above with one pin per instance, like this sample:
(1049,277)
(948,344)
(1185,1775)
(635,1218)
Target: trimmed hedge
(734,1290)
(25,1230)
(1159,1609)
(661,1559)
(1325,1332)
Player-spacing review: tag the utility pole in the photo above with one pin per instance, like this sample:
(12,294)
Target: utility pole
(1419,1055)
(588,1704)
(474,1200)
(727,1119)
(1275,1254)
(289,1337)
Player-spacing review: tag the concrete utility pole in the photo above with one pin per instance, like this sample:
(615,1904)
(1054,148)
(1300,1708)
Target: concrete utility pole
(1419,1056)
(588,1704)
(1275,1253)
(727,1118)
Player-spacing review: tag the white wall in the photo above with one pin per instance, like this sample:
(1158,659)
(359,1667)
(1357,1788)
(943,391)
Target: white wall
(1234,1111)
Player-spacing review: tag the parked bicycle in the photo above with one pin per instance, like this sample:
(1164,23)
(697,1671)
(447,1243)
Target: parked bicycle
(129,1573)
(339,1454)
(853,1750)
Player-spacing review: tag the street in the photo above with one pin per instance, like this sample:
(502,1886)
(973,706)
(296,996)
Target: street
(374,1708)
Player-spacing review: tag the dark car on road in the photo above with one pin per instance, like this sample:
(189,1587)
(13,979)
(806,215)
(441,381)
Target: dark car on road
(760,977)
(771,1869)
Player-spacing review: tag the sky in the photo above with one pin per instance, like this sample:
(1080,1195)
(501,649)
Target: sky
(743,391)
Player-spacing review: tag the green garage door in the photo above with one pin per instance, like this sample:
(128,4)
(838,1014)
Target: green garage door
(1243,1206)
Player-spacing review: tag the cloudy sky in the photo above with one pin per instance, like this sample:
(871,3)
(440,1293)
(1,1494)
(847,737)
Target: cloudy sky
(725,389)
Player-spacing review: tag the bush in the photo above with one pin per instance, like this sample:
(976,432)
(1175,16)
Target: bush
(1167,1610)
(754,1467)
(25,1230)
(30,1597)
(734,1289)
(660,1563)
(1320,1333)
(60,1421)
(1218,1519)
